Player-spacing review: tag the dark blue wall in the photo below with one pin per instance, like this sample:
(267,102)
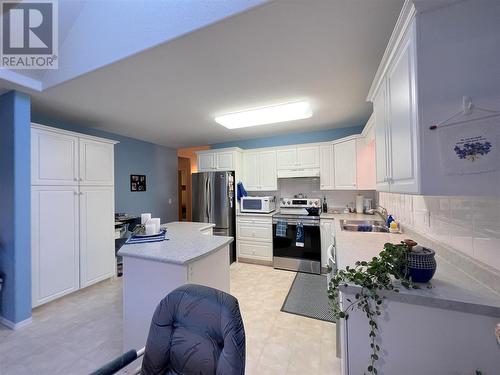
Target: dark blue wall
(132,156)
(292,139)
(15,198)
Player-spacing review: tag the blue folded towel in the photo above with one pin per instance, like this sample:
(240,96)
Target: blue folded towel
(240,191)
(143,239)
(281,227)
(299,238)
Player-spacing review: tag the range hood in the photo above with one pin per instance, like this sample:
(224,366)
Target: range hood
(302,172)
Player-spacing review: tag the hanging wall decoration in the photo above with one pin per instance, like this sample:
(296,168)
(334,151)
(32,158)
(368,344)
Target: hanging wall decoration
(469,141)
(137,182)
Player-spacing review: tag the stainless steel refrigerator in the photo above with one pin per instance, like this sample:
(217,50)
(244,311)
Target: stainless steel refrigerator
(214,202)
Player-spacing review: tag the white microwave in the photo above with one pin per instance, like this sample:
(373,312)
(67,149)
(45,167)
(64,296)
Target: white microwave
(262,205)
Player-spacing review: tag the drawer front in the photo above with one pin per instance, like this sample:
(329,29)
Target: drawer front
(262,251)
(255,232)
(251,220)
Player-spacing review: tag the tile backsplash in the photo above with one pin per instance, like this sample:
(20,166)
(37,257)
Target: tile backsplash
(470,225)
(309,186)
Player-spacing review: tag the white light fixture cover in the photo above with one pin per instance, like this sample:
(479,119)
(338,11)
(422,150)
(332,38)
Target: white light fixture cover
(266,115)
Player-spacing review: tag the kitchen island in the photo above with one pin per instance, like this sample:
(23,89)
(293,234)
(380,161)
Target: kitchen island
(152,270)
(445,329)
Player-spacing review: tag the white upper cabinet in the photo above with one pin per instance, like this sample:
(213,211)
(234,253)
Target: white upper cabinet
(308,157)
(381,140)
(402,117)
(218,160)
(299,161)
(206,162)
(394,98)
(54,158)
(326,167)
(286,158)
(224,161)
(96,163)
(251,170)
(344,155)
(267,170)
(259,170)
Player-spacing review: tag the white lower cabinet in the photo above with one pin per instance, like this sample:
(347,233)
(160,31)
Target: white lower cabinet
(54,242)
(327,233)
(96,235)
(254,238)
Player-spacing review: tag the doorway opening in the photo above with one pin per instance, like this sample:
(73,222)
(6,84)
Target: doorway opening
(184,188)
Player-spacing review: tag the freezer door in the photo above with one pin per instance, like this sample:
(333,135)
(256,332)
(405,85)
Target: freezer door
(203,198)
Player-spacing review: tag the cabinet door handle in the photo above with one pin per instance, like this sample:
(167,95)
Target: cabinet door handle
(81,179)
(75,179)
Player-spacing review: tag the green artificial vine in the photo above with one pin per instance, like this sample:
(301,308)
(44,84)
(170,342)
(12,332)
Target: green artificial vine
(372,276)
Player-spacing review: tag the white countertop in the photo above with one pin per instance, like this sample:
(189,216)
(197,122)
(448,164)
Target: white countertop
(185,244)
(452,288)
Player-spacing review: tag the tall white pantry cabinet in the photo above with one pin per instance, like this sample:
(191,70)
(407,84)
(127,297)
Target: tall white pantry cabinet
(72,212)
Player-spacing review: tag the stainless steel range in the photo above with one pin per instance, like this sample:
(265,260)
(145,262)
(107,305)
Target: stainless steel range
(297,252)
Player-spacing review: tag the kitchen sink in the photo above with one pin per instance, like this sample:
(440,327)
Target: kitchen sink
(364,226)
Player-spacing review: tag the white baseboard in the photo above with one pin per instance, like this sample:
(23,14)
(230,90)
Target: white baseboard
(14,326)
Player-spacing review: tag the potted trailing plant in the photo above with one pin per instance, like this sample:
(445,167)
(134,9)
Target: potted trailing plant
(389,272)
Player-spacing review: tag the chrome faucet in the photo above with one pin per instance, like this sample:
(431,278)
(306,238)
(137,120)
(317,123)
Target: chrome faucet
(383,212)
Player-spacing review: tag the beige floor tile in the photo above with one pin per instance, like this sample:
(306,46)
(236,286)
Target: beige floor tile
(80,332)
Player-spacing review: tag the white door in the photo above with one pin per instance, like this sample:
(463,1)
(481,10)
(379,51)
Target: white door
(267,170)
(225,161)
(402,120)
(251,170)
(54,158)
(96,163)
(97,250)
(308,157)
(54,242)
(381,138)
(326,170)
(206,162)
(344,155)
(286,158)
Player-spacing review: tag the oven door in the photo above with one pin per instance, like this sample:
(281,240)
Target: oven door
(287,255)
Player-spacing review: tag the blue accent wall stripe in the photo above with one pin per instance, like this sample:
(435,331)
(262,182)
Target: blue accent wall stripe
(15,198)
(294,138)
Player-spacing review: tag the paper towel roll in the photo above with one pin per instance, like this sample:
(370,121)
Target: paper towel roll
(156,222)
(359,203)
(145,218)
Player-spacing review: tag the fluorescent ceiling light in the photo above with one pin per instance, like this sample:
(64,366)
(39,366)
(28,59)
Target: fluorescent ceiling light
(266,115)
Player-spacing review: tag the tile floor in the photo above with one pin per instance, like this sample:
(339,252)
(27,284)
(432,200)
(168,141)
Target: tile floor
(78,333)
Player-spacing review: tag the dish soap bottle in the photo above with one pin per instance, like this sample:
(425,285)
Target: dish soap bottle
(324,208)
(394,227)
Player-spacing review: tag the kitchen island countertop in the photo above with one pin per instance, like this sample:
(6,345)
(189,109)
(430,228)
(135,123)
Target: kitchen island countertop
(186,243)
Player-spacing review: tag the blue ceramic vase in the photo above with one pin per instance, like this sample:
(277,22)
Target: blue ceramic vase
(421,265)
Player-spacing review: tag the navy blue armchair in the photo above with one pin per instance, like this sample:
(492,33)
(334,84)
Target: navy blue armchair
(195,330)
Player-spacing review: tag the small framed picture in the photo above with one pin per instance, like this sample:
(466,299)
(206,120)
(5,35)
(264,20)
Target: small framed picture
(137,182)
